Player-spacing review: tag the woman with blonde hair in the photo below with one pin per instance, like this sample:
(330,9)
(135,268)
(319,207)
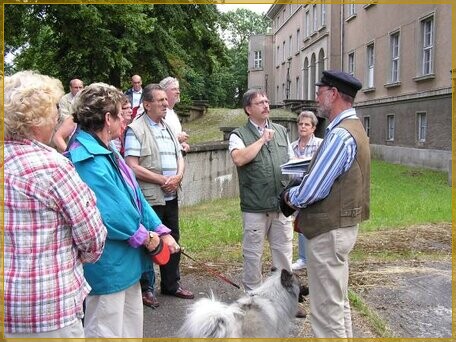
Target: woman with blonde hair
(52,225)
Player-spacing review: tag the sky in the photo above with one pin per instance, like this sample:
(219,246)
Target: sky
(258,8)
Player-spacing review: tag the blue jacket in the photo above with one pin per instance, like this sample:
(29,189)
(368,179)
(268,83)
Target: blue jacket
(120,265)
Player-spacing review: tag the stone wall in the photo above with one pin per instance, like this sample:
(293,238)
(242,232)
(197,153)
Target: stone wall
(209,174)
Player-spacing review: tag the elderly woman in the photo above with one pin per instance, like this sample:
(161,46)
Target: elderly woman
(52,225)
(114,307)
(305,147)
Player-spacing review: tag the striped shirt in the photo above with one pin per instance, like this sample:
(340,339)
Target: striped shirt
(335,157)
(168,157)
(52,226)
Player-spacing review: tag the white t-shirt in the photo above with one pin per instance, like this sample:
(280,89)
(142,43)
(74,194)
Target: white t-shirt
(173,121)
(236,143)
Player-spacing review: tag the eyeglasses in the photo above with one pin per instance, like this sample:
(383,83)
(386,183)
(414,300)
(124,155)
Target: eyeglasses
(320,92)
(261,103)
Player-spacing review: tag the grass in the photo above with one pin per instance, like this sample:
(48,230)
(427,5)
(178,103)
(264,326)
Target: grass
(207,127)
(400,196)
(403,196)
(378,324)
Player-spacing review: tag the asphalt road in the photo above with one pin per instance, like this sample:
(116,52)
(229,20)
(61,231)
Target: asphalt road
(416,304)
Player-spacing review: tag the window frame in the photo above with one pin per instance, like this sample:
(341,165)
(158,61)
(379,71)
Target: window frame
(323,13)
(351,63)
(421,128)
(366,125)
(257,60)
(395,57)
(427,45)
(390,127)
(370,65)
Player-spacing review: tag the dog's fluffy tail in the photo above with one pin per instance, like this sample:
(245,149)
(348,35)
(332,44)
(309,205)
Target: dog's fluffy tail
(209,318)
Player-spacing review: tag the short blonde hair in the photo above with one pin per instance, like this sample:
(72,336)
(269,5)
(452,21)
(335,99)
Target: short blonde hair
(29,98)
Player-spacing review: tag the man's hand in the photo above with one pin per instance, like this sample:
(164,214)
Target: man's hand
(172,183)
(182,137)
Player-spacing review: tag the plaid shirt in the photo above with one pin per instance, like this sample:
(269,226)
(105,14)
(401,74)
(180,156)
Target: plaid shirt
(52,226)
(309,150)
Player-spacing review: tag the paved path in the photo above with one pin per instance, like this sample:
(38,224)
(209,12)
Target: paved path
(416,304)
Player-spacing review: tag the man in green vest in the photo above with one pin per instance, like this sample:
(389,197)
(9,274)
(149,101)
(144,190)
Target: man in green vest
(258,149)
(333,198)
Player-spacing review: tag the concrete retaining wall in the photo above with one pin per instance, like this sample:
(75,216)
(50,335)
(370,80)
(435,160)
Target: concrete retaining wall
(431,159)
(210,173)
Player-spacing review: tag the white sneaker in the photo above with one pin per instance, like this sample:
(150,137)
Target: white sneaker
(298,265)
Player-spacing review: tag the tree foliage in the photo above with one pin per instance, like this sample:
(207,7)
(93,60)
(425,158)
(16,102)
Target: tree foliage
(109,43)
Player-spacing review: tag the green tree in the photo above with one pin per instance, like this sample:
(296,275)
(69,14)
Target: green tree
(109,43)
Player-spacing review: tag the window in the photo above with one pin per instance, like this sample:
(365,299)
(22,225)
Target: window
(307,24)
(298,39)
(283,51)
(278,55)
(323,13)
(314,18)
(394,75)
(427,28)
(351,10)
(257,60)
(298,87)
(351,63)
(370,66)
(366,124)
(390,127)
(290,46)
(421,122)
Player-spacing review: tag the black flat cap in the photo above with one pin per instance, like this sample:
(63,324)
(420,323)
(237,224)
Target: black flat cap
(344,82)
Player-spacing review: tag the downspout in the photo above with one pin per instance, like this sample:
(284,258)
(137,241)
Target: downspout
(342,21)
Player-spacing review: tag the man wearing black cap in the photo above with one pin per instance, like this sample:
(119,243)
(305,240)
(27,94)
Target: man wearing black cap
(332,199)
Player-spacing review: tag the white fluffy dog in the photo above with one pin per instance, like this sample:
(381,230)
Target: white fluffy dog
(265,312)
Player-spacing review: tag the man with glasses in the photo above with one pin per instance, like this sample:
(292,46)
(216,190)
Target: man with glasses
(171,86)
(332,199)
(258,149)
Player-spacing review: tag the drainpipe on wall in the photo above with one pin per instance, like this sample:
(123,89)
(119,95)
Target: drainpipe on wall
(342,21)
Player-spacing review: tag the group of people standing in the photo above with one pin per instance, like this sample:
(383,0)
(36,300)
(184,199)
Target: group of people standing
(81,226)
(327,203)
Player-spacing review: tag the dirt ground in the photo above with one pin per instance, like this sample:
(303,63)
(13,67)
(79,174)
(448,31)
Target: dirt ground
(403,277)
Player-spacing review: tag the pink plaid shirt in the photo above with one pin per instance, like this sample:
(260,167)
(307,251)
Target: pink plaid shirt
(52,226)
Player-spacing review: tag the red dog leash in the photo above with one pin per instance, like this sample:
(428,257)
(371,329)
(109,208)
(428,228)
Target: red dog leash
(210,270)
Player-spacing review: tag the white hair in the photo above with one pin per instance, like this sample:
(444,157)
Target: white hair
(167,82)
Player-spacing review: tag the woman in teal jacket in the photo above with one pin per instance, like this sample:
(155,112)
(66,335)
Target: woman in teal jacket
(114,307)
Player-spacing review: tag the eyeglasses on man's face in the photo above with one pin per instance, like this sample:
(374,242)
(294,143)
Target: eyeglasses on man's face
(261,103)
(322,90)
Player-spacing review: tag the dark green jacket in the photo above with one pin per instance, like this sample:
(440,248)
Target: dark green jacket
(260,181)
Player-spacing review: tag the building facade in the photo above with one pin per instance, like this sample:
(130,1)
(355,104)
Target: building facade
(401,54)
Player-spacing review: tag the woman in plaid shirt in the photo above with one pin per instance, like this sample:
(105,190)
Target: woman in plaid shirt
(52,225)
